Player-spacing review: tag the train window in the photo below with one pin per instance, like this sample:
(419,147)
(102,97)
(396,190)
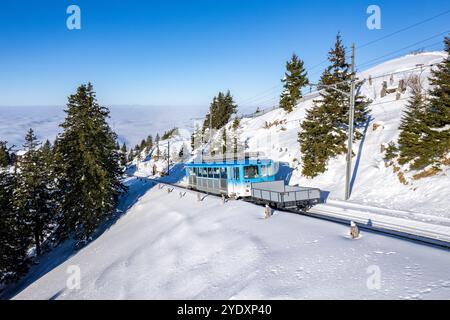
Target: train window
(236,173)
(223,173)
(209,172)
(216,173)
(263,171)
(250,172)
(200,172)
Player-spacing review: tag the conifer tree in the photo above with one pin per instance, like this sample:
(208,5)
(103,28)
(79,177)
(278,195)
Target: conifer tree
(221,111)
(412,127)
(14,239)
(224,141)
(123,155)
(425,128)
(4,154)
(294,80)
(143,145)
(323,133)
(157,151)
(437,117)
(181,153)
(89,165)
(34,197)
(124,148)
(149,141)
(131,155)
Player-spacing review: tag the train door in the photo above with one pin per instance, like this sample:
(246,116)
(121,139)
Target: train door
(234,175)
(230,181)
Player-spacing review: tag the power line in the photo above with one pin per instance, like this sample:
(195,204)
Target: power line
(268,91)
(403,29)
(404,48)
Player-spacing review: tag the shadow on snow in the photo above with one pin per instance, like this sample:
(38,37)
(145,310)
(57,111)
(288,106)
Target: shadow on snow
(137,187)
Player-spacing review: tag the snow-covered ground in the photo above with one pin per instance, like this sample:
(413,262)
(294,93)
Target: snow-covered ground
(167,247)
(378,196)
(171,247)
(373,183)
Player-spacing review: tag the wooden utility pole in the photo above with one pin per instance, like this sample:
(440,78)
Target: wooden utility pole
(351,114)
(168,157)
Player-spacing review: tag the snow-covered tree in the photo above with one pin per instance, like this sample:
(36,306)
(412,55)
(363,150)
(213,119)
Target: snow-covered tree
(323,133)
(4,154)
(294,80)
(14,239)
(89,170)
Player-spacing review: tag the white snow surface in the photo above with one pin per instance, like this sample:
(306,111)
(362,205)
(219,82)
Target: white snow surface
(165,247)
(373,184)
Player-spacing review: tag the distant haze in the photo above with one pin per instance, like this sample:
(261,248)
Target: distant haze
(131,123)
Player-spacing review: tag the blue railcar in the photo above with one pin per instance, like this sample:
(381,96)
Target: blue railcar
(233,178)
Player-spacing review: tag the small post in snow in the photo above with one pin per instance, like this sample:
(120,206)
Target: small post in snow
(354,231)
(199,197)
(267,212)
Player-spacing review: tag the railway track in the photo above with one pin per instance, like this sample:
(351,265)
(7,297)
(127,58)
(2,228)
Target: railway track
(435,237)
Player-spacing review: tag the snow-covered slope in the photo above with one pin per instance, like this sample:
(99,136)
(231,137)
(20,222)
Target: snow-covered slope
(374,184)
(179,248)
(275,133)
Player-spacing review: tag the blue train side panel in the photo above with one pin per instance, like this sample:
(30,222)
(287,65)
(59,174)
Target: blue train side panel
(233,178)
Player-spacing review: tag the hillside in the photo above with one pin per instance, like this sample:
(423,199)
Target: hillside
(166,245)
(171,248)
(276,132)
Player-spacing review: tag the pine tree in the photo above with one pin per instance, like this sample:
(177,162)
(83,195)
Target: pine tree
(236,123)
(221,111)
(157,152)
(224,141)
(323,133)
(412,127)
(34,197)
(437,117)
(149,141)
(14,239)
(123,155)
(5,158)
(181,153)
(425,128)
(89,165)
(131,155)
(294,80)
(143,145)
(124,148)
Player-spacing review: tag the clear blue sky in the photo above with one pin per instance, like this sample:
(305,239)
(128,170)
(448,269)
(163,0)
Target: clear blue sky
(181,53)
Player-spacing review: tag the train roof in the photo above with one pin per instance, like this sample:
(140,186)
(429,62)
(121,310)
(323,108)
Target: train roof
(230,163)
